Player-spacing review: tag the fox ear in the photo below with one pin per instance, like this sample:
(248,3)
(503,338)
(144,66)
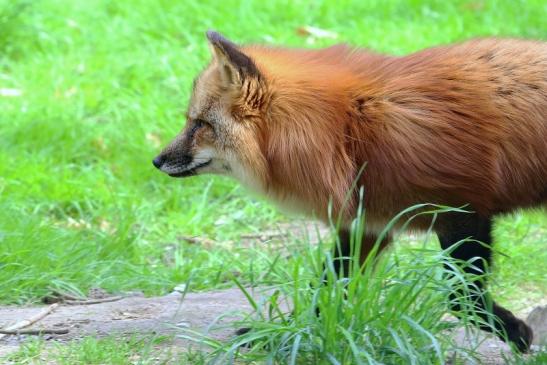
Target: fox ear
(235,66)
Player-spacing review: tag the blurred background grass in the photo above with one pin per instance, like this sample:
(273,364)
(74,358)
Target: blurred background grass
(91,90)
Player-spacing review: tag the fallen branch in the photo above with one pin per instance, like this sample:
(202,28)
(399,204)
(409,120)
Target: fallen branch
(37,331)
(27,322)
(93,301)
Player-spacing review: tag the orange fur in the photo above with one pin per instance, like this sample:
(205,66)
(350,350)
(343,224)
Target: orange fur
(463,124)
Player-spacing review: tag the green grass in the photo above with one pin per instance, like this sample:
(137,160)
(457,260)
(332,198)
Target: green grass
(91,351)
(110,350)
(97,87)
(104,84)
(392,312)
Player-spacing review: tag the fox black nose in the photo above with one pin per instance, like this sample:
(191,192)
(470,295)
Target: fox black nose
(158,161)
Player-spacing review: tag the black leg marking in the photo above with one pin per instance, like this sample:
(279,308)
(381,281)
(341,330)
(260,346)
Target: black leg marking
(342,254)
(455,227)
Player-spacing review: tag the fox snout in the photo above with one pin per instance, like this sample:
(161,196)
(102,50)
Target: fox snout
(158,161)
(166,163)
(179,165)
(183,157)
(169,161)
(179,160)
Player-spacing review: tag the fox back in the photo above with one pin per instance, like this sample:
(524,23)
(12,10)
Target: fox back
(452,125)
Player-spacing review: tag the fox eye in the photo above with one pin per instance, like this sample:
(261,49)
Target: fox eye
(201,123)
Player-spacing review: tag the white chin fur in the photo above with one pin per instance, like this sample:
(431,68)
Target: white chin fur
(245,177)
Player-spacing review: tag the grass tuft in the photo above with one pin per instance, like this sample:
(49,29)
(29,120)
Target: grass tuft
(392,310)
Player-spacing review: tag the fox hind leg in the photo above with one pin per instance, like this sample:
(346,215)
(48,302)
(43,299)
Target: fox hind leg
(456,227)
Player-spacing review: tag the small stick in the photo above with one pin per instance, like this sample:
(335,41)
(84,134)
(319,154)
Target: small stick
(37,331)
(198,240)
(31,320)
(264,235)
(92,301)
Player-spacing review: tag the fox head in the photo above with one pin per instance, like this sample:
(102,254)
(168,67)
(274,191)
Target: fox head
(270,118)
(222,134)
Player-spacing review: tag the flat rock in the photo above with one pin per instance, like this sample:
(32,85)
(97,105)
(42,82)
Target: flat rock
(537,319)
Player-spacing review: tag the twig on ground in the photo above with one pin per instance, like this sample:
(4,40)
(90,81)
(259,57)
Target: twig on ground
(264,236)
(27,322)
(207,242)
(36,331)
(93,301)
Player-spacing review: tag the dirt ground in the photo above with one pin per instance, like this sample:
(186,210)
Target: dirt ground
(164,315)
(168,314)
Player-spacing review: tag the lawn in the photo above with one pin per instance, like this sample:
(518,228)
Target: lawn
(91,90)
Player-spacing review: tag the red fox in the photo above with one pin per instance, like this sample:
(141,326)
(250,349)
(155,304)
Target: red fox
(455,125)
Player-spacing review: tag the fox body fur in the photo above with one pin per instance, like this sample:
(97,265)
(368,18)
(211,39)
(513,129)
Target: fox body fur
(458,125)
